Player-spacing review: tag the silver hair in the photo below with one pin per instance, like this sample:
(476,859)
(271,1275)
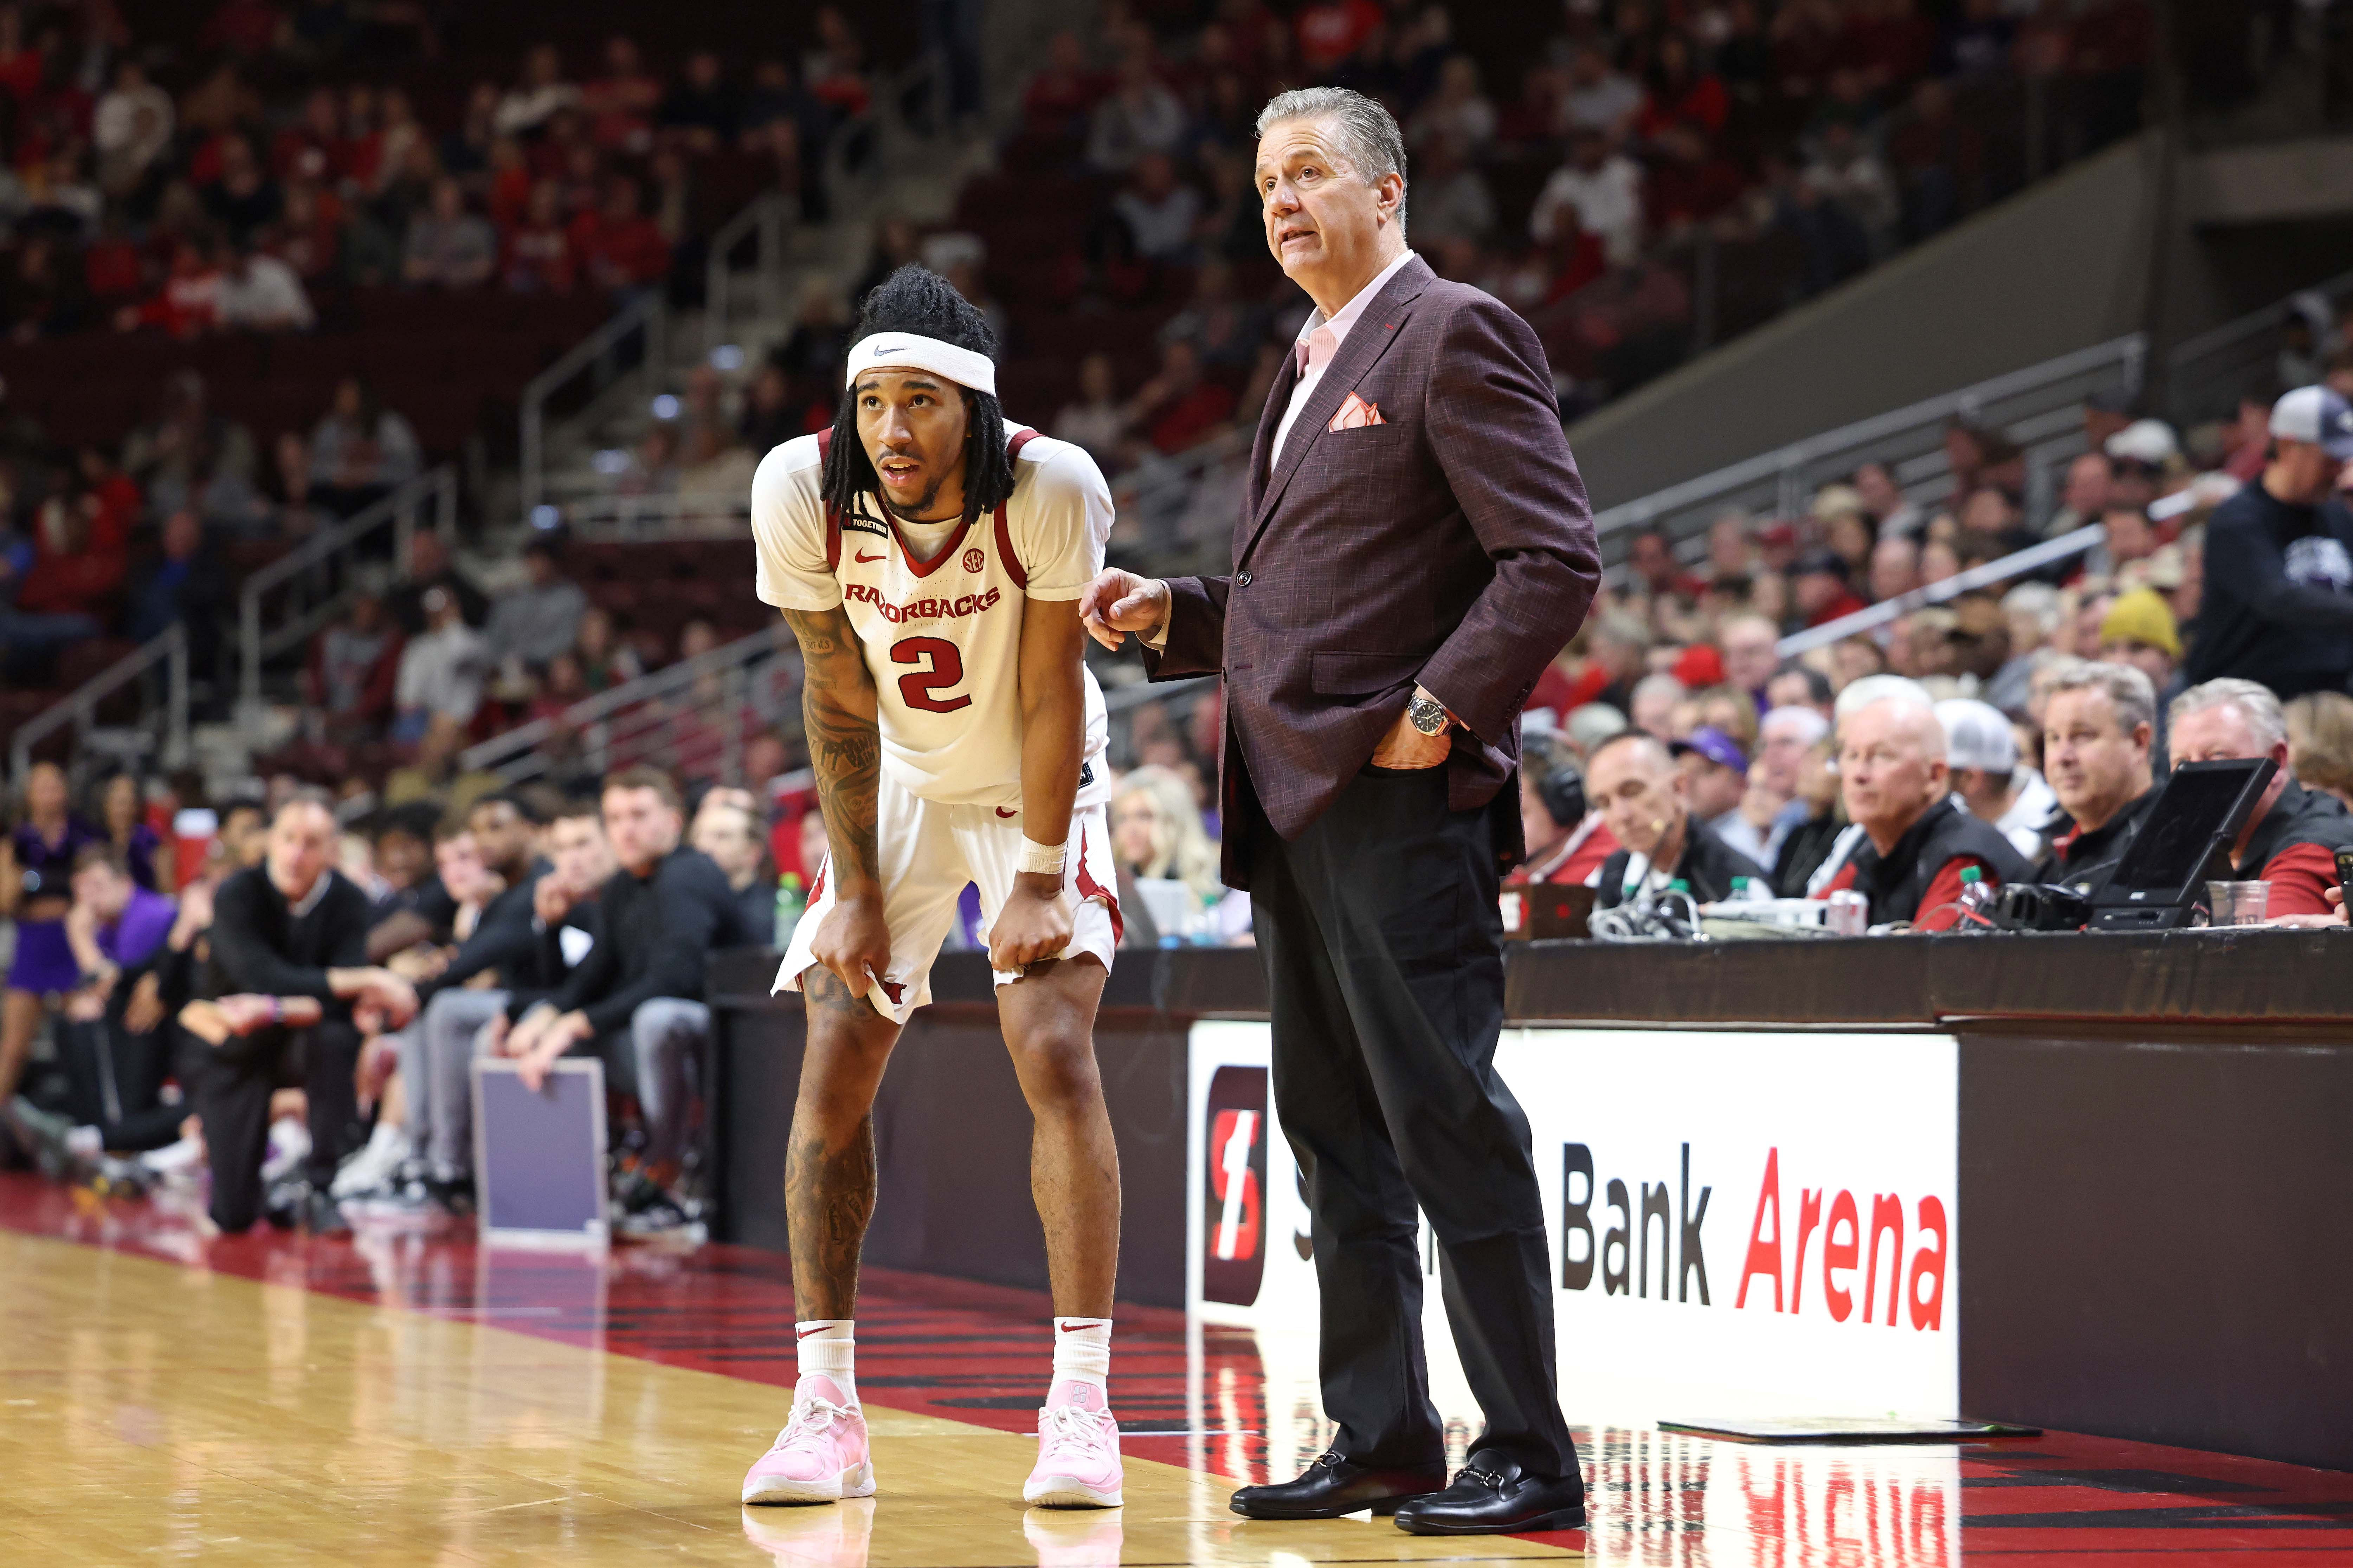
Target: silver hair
(1899,691)
(1805,723)
(1364,133)
(1658,680)
(2131,693)
(1864,690)
(2254,702)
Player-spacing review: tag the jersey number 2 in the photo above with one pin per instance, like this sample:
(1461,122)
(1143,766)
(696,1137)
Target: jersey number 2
(944,668)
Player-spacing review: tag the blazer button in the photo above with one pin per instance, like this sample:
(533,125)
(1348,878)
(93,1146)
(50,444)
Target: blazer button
(1243,580)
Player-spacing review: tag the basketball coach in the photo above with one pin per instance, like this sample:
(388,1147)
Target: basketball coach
(1414,547)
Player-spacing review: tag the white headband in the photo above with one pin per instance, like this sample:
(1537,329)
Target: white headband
(913,351)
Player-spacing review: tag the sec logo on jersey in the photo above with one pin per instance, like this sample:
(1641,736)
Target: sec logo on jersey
(974,560)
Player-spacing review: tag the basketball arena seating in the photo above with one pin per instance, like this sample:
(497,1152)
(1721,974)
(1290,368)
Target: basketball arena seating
(1034,213)
(658,585)
(453,364)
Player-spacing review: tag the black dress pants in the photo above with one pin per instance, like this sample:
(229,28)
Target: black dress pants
(233,1097)
(1383,946)
(115,1081)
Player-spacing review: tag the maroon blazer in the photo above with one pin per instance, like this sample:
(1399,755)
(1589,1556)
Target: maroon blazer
(1452,545)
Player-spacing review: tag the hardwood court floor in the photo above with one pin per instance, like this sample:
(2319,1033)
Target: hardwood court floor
(407,1398)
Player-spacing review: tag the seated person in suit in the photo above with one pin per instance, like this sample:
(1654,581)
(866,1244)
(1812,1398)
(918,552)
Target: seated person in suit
(1645,799)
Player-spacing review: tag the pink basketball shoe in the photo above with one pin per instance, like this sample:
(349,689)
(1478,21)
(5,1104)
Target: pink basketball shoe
(1078,1452)
(820,1455)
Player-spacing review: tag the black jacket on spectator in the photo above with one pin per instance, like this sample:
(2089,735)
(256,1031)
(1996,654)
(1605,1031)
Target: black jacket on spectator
(2084,860)
(2278,601)
(1896,883)
(263,945)
(556,951)
(757,906)
(654,934)
(506,938)
(1708,864)
(1803,849)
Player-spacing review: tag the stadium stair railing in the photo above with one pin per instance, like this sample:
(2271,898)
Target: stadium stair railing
(315,580)
(692,717)
(2040,407)
(159,736)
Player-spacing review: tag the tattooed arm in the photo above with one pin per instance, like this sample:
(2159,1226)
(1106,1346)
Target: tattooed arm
(846,755)
(1035,924)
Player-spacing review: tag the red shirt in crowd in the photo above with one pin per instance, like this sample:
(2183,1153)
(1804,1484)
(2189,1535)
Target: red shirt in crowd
(1330,31)
(620,253)
(109,269)
(189,303)
(20,73)
(1703,103)
(539,257)
(1846,604)
(1055,99)
(1939,906)
(1191,416)
(2300,877)
(1565,693)
(76,568)
(242,27)
(1570,861)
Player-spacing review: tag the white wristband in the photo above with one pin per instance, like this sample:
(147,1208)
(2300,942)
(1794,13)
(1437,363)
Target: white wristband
(1042,859)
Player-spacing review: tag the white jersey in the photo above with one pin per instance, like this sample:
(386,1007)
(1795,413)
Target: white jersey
(943,635)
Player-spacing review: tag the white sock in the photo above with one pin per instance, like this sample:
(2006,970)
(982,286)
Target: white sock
(1081,1359)
(827,1347)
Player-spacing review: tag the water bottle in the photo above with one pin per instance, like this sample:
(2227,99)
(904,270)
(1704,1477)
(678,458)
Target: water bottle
(1976,894)
(790,903)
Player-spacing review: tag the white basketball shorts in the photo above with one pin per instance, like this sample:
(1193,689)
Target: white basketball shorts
(929,851)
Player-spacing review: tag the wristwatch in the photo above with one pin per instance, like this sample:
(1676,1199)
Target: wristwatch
(1427,715)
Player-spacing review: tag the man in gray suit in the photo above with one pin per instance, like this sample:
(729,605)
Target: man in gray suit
(1414,547)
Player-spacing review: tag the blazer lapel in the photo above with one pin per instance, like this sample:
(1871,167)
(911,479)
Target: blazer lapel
(1278,398)
(1374,330)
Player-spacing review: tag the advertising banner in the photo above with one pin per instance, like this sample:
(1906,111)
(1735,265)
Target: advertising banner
(1741,1223)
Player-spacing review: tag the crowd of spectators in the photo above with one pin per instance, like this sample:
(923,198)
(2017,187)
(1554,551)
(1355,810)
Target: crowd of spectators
(1568,165)
(2019,729)
(285,163)
(2027,721)
(231,187)
(130,540)
(278,1000)
(187,962)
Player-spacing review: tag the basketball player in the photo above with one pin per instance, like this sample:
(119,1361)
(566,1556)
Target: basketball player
(930,560)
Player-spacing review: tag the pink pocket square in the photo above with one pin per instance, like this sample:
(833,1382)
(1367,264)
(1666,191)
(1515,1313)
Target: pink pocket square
(1356,413)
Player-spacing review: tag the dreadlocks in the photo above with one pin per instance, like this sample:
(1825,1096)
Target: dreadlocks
(915,300)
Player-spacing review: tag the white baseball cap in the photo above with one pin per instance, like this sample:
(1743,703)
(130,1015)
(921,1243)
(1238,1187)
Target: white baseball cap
(2317,417)
(2148,441)
(1977,736)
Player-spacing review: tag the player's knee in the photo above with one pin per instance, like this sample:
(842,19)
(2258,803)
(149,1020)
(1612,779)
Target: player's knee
(1056,1066)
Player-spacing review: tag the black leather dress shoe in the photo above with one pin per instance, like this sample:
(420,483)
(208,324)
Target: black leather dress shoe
(1333,1486)
(1494,1496)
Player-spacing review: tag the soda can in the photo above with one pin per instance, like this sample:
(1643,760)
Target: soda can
(1850,913)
